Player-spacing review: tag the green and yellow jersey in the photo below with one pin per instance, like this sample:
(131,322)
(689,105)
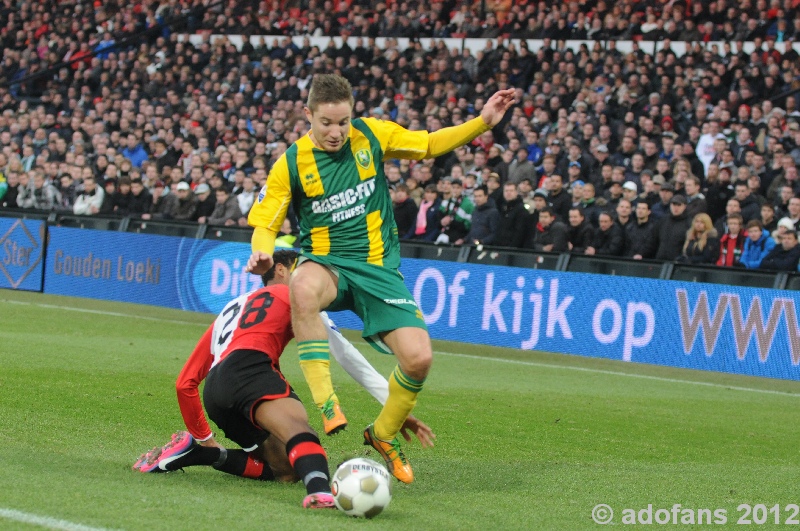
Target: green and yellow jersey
(341,199)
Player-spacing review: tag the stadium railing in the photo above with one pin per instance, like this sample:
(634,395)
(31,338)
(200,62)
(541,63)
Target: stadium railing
(485,255)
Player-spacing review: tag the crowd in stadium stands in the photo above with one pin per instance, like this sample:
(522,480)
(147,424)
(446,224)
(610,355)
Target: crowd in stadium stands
(691,158)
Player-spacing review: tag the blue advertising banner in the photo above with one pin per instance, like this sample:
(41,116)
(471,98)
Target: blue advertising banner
(679,324)
(699,326)
(183,273)
(22,251)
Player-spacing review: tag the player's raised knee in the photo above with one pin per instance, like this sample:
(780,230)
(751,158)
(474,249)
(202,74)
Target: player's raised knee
(417,362)
(305,298)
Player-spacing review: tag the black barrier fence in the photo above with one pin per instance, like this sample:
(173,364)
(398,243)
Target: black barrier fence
(485,255)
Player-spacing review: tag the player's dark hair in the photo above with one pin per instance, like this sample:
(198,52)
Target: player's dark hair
(284,257)
(329,88)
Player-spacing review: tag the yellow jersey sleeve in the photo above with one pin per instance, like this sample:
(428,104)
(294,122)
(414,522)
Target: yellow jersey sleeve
(447,139)
(267,215)
(398,142)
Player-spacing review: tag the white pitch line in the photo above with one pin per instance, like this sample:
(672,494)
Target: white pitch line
(457,355)
(102,312)
(45,521)
(617,373)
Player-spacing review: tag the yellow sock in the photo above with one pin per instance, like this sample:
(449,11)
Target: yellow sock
(315,363)
(402,399)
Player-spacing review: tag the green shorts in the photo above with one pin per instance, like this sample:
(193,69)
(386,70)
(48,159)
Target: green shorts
(376,294)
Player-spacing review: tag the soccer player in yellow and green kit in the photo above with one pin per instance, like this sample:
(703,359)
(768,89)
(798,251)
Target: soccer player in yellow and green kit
(333,177)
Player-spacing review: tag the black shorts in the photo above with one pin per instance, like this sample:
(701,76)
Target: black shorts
(234,389)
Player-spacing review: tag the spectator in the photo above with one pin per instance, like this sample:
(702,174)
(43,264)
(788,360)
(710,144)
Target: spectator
(783,257)
(187,203)
(719,190)
(750,209)
(768,220)
(732,243)
(485,219)
(109,189)
(89,202)
(9,199)
(661,209)
(580,232)
(549,235)
(140,201)
(426,226)
(414,190)
(206,202)
(576,193)
(162,156)
(794,212)
(613,195)
(608,239)
(163,204)
(44,195)
(405,209)
(639,235)
(784,224)
(226,210)
(69,193)
(623,212)
(495,189)
(121,199)
(512,220)
(730,209)
(247,196)
(25,190)
(134,151)
(590,204)
(630,193)
(757,245)
(695,201)
(558,198)
(701,245)
(671,231)
(526,193)
(455,215)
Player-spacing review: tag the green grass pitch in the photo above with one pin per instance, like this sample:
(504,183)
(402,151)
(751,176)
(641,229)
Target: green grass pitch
(526,440)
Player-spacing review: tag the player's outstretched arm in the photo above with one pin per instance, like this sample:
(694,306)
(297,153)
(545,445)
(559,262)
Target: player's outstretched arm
(447,139)
(194,371)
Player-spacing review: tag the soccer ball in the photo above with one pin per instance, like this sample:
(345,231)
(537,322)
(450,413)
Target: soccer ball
(362,487)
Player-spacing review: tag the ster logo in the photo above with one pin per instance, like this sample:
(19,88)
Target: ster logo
(23,252)
(364,158)
(310,177)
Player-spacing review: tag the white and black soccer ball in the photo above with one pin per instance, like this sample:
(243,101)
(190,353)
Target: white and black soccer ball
(362,487)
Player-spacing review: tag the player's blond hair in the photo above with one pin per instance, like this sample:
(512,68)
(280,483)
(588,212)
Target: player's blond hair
(329,88)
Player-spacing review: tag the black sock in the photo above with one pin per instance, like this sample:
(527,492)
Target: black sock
(240,463)
(309,462)
(198,456)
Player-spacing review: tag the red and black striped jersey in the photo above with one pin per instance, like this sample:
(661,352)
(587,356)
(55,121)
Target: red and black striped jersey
(260,320)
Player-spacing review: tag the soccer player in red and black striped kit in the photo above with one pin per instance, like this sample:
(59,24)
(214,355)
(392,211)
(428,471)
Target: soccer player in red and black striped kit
(268,461)
(247,396)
